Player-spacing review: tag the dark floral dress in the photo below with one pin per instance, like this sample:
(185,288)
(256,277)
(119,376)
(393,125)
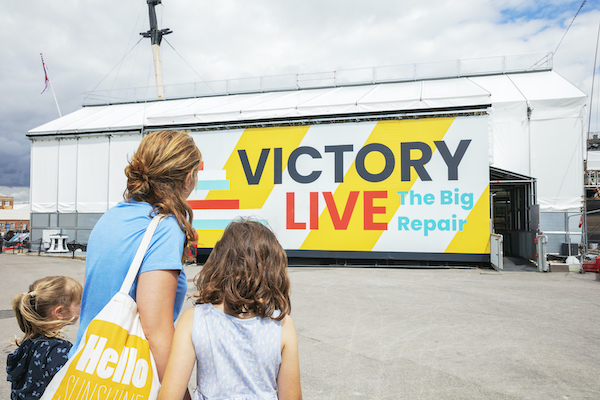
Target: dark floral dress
(31,367)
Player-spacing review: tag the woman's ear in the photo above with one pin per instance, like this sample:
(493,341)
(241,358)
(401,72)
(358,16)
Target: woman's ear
(188,181)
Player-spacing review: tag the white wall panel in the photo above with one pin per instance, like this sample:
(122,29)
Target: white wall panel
(67,175)
(510,137)
(557,163)
(44,175)
(122,147)
(92,175)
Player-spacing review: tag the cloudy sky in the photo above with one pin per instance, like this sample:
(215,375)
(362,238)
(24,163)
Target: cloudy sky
(93,45)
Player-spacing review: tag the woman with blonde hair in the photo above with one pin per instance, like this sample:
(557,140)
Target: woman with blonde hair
(160,176)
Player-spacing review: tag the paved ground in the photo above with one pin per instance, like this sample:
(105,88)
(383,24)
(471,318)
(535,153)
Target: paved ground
(376,333)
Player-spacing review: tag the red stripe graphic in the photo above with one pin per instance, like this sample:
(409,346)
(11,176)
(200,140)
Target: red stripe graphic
(214,204)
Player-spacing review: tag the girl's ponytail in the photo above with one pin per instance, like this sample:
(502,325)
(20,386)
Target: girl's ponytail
(34,309)
(25,313)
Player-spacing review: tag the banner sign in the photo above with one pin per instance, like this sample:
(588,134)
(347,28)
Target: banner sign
(415,185)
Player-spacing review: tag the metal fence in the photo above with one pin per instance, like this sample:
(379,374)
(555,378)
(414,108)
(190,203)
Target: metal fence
(358,76)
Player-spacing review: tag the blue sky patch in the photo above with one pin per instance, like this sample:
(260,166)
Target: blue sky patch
(542,10)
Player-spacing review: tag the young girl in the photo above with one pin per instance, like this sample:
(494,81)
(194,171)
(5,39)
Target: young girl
(239,333)
(42,312)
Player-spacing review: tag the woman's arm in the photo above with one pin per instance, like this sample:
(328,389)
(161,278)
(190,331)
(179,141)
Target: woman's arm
(181,361)
(155,299)
(288,379)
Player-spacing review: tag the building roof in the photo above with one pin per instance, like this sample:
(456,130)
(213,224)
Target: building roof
(383,98)
(20,212)
(248,108)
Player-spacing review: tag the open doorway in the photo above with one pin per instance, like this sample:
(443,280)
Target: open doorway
(514,212)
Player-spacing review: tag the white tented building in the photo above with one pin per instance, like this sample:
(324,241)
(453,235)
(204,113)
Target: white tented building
(398,163)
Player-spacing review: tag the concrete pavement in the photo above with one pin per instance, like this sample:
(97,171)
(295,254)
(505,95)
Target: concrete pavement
(380,333)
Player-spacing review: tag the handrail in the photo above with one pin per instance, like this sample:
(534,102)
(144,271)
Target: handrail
(347,77)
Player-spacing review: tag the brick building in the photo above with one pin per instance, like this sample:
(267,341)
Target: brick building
(13,217)
(6,202)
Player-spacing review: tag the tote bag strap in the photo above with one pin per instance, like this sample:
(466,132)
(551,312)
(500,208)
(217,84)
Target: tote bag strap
(139,255)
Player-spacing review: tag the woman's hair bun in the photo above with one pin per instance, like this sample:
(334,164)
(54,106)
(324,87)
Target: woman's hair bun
(137,176)
(158,173)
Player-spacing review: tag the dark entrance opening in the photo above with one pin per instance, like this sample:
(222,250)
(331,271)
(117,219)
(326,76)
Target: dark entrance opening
(515,214)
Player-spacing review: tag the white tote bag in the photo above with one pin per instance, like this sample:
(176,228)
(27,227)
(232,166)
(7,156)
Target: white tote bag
(113,360)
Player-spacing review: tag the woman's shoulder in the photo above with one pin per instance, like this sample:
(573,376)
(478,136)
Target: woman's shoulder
(125,213)
(169,223)
(129,206)
(133,216)
(131,210)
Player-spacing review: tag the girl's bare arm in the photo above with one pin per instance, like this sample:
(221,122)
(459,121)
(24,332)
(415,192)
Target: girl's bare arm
(181,361)
(288,379)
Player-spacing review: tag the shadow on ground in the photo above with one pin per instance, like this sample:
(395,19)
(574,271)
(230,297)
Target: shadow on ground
(512,264)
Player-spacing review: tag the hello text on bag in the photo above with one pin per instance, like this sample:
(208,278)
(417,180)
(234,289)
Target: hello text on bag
(114,365)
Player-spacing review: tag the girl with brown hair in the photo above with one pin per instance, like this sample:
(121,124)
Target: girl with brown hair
(50,304)
(160,176)
(239,333)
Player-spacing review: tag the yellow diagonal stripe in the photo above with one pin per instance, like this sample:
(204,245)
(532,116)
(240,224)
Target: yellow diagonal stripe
(253,141)
(475,238)
(391,134)
(208,238)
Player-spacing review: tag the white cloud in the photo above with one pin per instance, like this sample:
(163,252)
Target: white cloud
(83,41)
(20,193)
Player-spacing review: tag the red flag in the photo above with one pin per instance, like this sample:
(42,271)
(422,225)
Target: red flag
(46,81)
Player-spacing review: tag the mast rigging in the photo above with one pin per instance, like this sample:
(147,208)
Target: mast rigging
(155,36)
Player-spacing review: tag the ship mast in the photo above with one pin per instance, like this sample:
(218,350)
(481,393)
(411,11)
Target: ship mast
(155,36)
